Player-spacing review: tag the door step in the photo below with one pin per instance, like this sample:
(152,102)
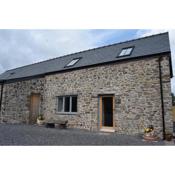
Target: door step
(107,129)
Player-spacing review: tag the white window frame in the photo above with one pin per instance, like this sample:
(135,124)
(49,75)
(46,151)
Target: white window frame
(70,104)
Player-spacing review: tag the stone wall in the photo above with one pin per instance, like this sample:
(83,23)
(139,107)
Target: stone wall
(135,83)
(16,100)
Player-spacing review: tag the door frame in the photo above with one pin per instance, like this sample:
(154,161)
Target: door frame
(101,111)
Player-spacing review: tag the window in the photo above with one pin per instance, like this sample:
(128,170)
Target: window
(126,51)
(73,62)
(67,104)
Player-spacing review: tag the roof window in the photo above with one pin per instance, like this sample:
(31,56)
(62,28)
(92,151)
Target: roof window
(73,62)
(126,51)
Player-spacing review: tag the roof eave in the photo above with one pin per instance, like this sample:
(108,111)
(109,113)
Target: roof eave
(87,66)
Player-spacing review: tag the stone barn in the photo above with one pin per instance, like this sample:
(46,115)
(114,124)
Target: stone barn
(122,88)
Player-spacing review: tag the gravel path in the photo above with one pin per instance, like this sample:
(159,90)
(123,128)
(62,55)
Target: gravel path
(19,134)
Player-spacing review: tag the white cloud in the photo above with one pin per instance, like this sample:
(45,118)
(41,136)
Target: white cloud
(142,33)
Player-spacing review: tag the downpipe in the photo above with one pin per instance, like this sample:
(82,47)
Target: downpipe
(162,98)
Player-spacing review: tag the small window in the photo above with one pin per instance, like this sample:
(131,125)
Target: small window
(126,51)
(67,104)
(73,62)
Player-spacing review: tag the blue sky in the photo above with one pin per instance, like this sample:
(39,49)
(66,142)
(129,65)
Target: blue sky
(22,47)
(116,36)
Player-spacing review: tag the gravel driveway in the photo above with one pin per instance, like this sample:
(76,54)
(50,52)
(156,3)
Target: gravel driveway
(19,134)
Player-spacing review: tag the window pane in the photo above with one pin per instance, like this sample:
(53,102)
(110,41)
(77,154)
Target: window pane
(60,104)
(122,52)
(128,51)
(67,104)
(74,104)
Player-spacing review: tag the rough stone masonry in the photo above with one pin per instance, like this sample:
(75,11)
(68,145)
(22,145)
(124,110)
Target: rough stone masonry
(135,85)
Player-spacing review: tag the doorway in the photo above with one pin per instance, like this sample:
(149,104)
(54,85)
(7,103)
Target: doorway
(106,111)
(34,108)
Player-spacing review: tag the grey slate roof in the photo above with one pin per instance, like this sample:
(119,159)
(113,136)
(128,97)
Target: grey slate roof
(151,45)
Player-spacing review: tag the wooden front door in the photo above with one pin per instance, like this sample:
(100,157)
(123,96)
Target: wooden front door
(106,111)
(34,108)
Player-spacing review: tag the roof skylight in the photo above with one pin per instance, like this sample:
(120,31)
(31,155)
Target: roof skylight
(73,62)
(126,51)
